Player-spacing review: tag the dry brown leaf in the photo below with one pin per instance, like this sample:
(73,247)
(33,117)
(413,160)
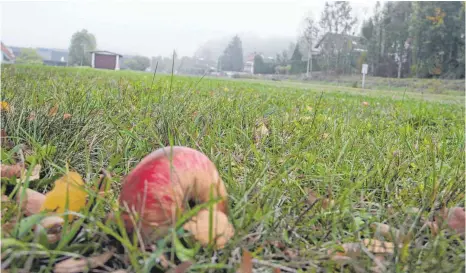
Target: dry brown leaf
(276,270)
(387,231)
(52,226)
(455,218)
(327,203)
(433,227)
(5,141)
(5,198)
(261,131)
(32,201)
(290,253)
(53,111)
(372,245)
(66,116)
(377,246)
(277,244)
(340,258)
(181,268)
(246,262)
(32,116)
(379,266)
(35,173)
(81,265)
(10,171)
(312,197)
(200,224)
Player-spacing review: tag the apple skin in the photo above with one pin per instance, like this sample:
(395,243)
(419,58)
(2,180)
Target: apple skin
(159,185)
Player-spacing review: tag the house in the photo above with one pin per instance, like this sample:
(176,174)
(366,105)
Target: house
(248,66)
(16,50)
(249,63)
(341,41)
(50,56)
(53,56)
(7,55)
(105,60)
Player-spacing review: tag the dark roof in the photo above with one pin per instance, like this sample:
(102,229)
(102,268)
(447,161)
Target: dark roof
(105,52)
(339,39)
(53,54)
(47,54)
(16,50)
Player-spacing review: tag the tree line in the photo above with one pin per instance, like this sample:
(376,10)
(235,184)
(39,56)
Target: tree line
(416,39)
(401,39)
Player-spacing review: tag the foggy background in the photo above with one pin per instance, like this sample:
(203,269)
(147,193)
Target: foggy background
(158,28)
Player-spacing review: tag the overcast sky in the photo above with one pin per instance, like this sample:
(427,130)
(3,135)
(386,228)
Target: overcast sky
(154,28)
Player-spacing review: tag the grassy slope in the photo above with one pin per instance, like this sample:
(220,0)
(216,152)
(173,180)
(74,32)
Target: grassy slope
(392,154)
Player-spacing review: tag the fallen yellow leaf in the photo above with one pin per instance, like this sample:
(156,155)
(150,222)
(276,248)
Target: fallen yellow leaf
(69,186)
(4,106)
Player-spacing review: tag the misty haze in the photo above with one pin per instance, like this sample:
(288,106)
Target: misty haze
(284,136)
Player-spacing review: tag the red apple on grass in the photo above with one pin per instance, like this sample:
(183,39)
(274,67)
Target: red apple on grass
(164,181)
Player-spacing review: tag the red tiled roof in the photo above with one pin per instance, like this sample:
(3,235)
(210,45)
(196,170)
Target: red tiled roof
(7,52)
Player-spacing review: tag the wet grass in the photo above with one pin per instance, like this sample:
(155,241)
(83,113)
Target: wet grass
(375,162)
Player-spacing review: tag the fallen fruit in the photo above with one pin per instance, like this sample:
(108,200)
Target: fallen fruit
(164,181)
(200,227)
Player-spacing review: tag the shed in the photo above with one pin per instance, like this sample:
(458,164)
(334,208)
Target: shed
(105,60)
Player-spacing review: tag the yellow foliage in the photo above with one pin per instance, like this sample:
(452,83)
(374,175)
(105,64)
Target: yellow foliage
(438,17)
(71,187)
(4,106)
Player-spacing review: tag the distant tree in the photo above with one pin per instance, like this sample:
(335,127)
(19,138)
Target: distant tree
(297,64)
(139,63)
(337,18)
(232,58)
(258,64)
(297,56)
(81,42)
(29,56)
(421,39)
(310,35)
(263,67)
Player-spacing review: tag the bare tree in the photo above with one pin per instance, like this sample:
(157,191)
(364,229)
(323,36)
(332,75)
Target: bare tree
(310,35)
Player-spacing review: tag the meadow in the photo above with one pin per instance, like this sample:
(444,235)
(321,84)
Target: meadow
(307,167)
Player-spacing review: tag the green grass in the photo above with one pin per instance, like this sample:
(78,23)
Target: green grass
(376,161)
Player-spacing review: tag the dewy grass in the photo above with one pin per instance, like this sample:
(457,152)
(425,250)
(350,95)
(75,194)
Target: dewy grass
(376,162)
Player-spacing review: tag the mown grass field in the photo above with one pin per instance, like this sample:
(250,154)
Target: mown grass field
(374,161)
